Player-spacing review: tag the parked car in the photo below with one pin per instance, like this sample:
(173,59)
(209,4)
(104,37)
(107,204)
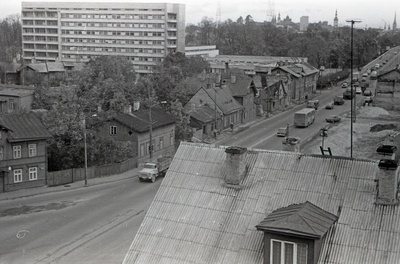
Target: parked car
(282,132)
(333,119)
(358,90)
(367,93)
(365,74)
(344,85)
(329,106)
(338,100)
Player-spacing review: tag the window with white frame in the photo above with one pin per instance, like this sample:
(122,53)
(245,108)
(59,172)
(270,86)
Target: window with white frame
(171,139)
(33,173)
(32,150)
(285,252)
(1,153)
(17,152)
(161,145)
(11,105)
(17,175)
(113,130)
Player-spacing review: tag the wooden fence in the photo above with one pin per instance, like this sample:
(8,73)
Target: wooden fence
(78,174)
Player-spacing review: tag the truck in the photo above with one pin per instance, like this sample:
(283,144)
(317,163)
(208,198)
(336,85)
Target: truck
(338,100)
(313,104)
(304,117)
(348,94)
(152,170)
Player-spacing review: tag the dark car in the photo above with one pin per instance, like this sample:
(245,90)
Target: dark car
(333,119)
(367,93)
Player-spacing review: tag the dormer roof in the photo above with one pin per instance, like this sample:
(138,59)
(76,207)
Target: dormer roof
(304,220)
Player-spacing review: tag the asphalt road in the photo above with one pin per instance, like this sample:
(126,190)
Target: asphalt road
(94,224)
(263,134)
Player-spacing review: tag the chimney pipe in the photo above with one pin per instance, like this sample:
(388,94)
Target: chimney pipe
(387,182)
(234,165)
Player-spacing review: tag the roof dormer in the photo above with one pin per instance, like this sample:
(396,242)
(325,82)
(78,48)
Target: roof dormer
(294,234)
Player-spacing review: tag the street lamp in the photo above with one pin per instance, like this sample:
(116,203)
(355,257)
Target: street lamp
(84,139)
(352,21)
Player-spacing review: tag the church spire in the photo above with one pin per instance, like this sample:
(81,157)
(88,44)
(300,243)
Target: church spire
(394,22)
(335,20)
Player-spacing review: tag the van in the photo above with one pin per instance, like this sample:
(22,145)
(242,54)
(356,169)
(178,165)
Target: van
(313,104)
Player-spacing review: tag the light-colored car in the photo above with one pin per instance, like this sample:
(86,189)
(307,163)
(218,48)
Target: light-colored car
(329,106)
(367,93)
(333,119)
(368,99)
(358,90)
(344,85)
(282,132)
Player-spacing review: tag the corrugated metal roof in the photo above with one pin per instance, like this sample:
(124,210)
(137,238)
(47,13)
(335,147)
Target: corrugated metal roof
(196,218)
(139,121)
(24,127)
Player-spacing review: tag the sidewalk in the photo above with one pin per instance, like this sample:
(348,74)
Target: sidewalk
(75,185)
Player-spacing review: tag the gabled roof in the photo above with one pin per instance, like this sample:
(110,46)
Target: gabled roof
(241,86)
(391,75)
(24,127)
(203,114)
(290,70)
(139,121)
(37,67)
(305,220)
(56,66)
(196,218)
(224,100)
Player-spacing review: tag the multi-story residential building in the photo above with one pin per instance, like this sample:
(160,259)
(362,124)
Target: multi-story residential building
(23,155)
(77,31)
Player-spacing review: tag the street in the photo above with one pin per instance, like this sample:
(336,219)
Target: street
(93,224)
(263,134)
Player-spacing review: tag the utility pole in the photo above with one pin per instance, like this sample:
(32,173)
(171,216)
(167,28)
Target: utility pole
(352,21)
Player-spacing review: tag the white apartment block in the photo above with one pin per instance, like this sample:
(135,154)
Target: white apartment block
(78,31)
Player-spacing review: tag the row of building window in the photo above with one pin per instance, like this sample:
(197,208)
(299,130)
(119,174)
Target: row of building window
(114,33)
(116,16)
(118,25)
(40,23)
(40,54)
(157,144)
(40,38)
(113,49)
(17,151)
(114,41)
(41,30)
(17,173)
(41,46)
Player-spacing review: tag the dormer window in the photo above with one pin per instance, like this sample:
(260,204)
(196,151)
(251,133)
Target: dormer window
(294,234)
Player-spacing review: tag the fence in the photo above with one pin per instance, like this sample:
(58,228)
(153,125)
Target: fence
(78,174)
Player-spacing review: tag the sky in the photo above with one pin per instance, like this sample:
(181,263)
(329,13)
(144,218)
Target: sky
(368,11)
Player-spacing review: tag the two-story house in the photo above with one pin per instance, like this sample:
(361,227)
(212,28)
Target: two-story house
(15,98)
(23,156)
(137,128)
(213,110)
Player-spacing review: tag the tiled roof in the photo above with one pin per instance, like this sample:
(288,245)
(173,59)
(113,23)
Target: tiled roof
(24,127)
(196,218)
(139,121)
(55,66)
(306,220)
(38,67)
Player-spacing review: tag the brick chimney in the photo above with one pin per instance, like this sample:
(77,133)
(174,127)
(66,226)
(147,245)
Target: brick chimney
(235,165)
(387,182)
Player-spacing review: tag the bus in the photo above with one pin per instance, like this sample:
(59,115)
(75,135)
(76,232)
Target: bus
(304,117)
